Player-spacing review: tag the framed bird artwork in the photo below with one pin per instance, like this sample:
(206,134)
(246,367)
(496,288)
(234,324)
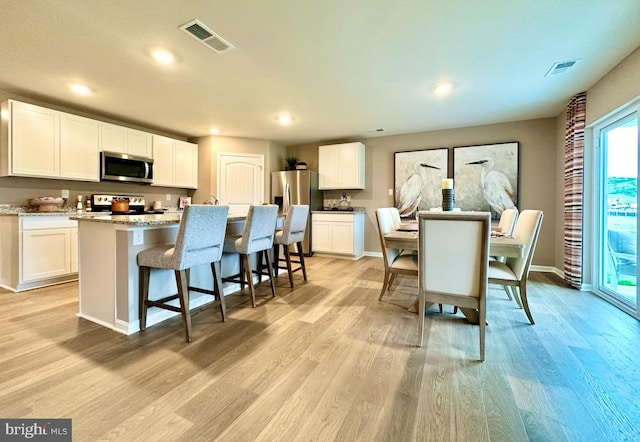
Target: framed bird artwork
(486,177)
(418,176)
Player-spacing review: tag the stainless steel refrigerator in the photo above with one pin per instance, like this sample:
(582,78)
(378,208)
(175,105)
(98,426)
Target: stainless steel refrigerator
(294,187)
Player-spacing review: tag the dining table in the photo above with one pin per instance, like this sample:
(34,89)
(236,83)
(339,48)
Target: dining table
(406,237)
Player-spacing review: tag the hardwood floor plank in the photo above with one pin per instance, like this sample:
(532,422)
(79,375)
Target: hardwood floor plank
(328,361)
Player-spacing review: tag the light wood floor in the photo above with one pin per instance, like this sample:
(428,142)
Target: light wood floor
(327,361)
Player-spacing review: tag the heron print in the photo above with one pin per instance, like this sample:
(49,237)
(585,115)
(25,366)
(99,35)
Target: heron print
(418,180)
(486,177)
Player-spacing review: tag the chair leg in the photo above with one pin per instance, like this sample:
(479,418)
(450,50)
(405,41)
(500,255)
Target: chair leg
(514,295)
(385,283)
(270,268)
(300,252)
(482,311)
(143,292)
(393,278)
(276,258)
(183,295)
(421,309)
(287,258)
(506,289)
(523,298)
(246,265)
(217,287)
(242,272)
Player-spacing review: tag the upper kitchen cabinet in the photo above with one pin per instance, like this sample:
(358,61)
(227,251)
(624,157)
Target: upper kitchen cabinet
(175,163)
(341,166)
(44,143)
(79,158)
(114,138)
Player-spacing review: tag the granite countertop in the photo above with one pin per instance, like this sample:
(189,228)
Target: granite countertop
(338,210)
(143,220)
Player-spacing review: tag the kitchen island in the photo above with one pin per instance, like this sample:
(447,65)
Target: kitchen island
(108,271)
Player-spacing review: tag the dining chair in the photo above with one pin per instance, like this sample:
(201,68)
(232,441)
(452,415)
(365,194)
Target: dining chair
(199,241)
(257,237)
(506,225)
(395,216)
(508,220)
(453,256)
(395,261)
(292,233)
(514,272)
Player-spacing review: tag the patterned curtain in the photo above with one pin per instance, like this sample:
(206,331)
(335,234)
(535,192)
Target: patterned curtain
(573,188)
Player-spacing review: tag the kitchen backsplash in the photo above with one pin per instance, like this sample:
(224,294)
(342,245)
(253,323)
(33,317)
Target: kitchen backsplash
(17,191)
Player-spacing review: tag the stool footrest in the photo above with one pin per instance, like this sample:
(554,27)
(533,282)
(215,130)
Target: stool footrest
(201,290)
(162,303)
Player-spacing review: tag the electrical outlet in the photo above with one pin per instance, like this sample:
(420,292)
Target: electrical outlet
(390,192)
(65,193)
(138,237)
(168,197)
(348,198)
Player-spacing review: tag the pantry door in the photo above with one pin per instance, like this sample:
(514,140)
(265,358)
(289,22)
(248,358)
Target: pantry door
(240,181)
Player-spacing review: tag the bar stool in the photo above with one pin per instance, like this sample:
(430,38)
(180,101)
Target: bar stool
(200,241)
(292,232)
(257,237)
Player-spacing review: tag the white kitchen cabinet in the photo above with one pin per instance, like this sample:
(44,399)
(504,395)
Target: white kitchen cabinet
(30,141)
(79,139)
(45,253)
(114,138)
(341,166)
(44,143)
(339,234)
(175,163)
(186,165)
(38,251)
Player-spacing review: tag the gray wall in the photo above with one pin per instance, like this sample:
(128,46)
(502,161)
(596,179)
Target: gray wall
(538,143)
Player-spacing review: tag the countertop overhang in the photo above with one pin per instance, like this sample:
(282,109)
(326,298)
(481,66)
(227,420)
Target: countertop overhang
(144,220)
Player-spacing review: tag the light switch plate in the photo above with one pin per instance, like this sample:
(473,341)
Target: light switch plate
(390,192)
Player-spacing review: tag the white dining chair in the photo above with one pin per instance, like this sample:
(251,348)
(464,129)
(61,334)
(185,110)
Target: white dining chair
(453,253)
(514,272)
(395,262)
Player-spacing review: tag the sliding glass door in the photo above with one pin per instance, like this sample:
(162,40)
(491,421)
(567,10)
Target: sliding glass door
(617,185)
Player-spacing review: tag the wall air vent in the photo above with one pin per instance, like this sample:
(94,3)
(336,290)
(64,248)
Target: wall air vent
(206,36)
(561,67)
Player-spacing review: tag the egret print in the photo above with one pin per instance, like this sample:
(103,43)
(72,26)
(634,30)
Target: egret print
(496,187)
(486,177)
(418,180)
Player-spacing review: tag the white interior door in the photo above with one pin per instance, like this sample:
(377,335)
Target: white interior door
(240,180)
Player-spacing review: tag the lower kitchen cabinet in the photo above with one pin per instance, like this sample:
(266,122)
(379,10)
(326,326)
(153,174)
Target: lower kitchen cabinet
(38,251)
(340,234)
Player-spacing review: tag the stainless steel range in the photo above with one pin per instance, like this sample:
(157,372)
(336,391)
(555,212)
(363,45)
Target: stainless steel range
(102,203)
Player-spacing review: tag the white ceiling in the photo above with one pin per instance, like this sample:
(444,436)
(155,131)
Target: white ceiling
(342,68)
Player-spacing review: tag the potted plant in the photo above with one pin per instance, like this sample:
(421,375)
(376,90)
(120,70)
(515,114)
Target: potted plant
(291,161)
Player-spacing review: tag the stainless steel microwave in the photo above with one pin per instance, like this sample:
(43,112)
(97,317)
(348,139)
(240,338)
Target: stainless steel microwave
(122,167)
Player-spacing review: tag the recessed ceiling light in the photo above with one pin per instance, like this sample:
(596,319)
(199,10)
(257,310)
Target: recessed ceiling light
(215,131)
(442,88)
(80,89)
(163,56)
(285,119)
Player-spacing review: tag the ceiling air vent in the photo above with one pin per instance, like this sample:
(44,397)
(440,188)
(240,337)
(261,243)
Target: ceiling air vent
(561,67)
(206,36)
